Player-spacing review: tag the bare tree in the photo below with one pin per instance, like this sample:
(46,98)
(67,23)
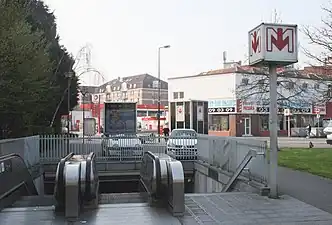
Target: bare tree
(294,87)
(321,39)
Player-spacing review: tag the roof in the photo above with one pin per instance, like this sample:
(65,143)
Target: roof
(316,73)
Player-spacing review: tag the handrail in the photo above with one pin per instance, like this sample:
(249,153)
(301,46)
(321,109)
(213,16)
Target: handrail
(10,155)
(60,190)
(26,178)
(158,172)
(89,160)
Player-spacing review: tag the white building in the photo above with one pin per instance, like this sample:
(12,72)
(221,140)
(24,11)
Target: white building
(239,96)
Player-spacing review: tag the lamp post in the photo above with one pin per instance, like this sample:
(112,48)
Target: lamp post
(69,76)
(166,46)
(84,92)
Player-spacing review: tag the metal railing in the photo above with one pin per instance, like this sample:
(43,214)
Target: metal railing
(117,148)
(228,152)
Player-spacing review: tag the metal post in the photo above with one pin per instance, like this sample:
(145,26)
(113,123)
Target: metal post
(68,107)
(273,133)
(99,114)
(83,140)
(288,125)
(158,127)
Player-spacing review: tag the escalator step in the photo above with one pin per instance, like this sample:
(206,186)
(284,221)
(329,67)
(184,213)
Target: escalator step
(117,198)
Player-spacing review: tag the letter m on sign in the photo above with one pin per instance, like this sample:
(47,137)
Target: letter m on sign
(280,39)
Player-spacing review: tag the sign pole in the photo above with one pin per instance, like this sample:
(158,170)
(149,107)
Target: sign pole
(273,132)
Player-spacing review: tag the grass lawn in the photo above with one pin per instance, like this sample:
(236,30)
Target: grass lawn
(311,160)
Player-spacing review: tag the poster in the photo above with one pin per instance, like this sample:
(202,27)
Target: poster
(179,113)
(200,113)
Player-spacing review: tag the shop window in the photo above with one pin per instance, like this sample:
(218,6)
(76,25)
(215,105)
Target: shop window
(219,123)
(264,122)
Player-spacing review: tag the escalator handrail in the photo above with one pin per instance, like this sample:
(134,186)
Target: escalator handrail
(60,190)
(24,182)
(158,172)
(89,161)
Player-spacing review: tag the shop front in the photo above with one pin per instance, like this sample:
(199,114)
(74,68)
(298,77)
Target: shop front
(229,117)
(222,117)
(255,117)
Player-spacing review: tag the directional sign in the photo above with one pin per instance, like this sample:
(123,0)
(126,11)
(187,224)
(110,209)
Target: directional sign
(273,43)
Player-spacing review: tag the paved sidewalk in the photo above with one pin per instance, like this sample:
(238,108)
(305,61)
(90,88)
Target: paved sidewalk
(312,189)
(296,142)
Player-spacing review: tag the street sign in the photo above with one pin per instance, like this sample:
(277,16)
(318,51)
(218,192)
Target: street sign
(273,43)
(287,112)
(95,98)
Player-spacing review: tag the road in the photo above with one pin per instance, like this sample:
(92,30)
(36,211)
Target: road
(295,142)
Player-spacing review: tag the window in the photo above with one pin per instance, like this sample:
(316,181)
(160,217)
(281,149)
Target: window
(305,85)
(181,94)
(290,85)
(264,122)
(175,95)
(245,81)
(261,82)
(141,113)
(134,85)
(219,123)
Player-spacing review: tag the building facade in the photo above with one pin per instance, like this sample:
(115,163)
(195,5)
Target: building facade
(239,99)
(142,89)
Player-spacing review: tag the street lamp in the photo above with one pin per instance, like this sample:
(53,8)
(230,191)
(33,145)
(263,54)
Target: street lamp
(84,93)
(69,75)
(166,46)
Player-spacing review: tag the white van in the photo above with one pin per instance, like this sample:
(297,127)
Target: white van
(328,131)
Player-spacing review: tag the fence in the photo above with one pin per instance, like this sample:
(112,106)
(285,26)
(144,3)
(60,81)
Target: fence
(228,152)
(111,149)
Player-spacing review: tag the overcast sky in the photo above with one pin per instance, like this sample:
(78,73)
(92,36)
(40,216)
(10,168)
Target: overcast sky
(124,35)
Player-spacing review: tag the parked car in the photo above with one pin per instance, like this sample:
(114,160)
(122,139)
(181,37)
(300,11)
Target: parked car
(328,131)
(122,145)
(182,144)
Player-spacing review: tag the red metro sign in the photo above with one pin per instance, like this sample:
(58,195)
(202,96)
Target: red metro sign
(280,38)
(273,43)
(255,42)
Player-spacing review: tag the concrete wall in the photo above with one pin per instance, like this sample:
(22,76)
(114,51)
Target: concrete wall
(26,147)
(209,179)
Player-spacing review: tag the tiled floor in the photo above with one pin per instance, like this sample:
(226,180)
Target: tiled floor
(225,209)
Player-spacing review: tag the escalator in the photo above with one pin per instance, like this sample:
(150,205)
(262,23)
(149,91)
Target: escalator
(15,180)
(76,192)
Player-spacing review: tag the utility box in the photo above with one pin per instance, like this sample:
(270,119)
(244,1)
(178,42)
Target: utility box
(190,114)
